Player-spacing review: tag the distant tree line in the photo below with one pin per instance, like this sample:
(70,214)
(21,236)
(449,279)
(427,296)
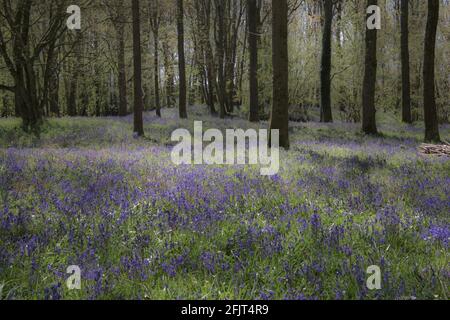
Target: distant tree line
(267,60)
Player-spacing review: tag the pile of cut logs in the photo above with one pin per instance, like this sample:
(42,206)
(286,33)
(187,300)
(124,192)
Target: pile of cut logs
(435,149)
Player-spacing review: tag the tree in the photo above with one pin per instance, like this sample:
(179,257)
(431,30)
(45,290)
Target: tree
(155,21)
(138,102)
(406,78)
(206,59)
(234,13)
(123,108)
(279,118)
(181,60)
(429,99)
(51,75)
(220,47)
(72,93)
(20,49)
(252,17)
(115,10)
(169,72)
(325,69)
(369,124)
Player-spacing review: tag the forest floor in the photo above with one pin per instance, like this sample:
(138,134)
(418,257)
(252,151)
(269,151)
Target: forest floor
(89,194)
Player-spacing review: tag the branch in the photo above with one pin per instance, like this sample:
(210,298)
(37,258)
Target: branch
(340,71)
(7,88)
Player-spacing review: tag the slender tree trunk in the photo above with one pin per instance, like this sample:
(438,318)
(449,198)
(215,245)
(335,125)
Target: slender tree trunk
(17,102)
(54,95)
(211,77)
(5,106)
(370,77)
(429,99)
(72,101)
(234,16)
(280,114)
(51,76)
(325,70)
(156,71)
(169,74)
(242,65)
(253,48)
(72,109)
(339,24)
(220,43)
(181,61)
(406,79)
(138,103)
(203,8)
(122,73)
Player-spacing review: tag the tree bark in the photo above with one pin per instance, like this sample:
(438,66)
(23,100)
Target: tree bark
(72,110)
(123,109)
(280,117)
(325,69)
(154,21)
(203,9)
(429,98)
(406,78)
(211,76)
(169,74)
(156,73)
(252,12)
(26,94)
(369,125)
(138,103)
(220,43)
(51,81)
(72,100)
(181,61)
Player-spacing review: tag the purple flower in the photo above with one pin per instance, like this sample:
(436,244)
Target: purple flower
(316,223)
(53,292)
(438,233)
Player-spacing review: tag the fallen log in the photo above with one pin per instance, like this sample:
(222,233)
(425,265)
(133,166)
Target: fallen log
(435,149)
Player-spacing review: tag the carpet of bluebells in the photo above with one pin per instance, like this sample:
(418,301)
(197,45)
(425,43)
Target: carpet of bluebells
(88,193)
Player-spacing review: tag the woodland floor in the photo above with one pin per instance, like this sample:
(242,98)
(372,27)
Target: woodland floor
(89,194)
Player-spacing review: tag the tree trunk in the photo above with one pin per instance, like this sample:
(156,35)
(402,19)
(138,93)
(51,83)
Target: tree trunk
(54,94)
(234,20)
(123,109)
(25,78)
(51,81)
(138,103)
(220,43)
(253,49)
(5,106)
(156,70)
(73,82)
(406,80)
(169,74)
(211,77)
(429,99)
(325,69)
(181,61)
(72,100)
(339,24)
(280,116)
(17,103)
(370,77)
(203,8)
